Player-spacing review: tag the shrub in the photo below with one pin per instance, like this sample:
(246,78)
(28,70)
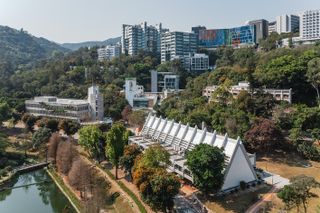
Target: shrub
(243,185)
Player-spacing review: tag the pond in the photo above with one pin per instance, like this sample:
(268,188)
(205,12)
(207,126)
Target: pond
(44,197)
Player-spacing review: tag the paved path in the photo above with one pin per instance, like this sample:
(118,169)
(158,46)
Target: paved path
(114,184)
(277,182)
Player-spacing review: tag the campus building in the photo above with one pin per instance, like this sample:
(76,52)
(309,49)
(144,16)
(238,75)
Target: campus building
(178,139)
(261,28)
(234,37)
(80,110)
(310,25)
(196,62)
(272,27)
(141,37)
(287,23)
(278,94)
(139,99)
(177,45)
(109,52)
(161,81)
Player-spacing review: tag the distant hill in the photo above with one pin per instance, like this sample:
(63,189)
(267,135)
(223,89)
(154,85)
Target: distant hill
(75,46)
(19,48)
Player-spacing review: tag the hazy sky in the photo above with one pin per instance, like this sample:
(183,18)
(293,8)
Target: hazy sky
(82,20)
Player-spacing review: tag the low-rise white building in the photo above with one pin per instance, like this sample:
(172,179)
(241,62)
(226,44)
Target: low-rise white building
(196,62)
(278,94)
(161,81)
(177,139)
(109,52)
(91,109)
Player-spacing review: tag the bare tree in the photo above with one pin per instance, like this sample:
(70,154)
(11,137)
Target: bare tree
(65,156)
(53,147)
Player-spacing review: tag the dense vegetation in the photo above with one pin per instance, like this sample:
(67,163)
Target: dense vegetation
(19,50)
(278,124)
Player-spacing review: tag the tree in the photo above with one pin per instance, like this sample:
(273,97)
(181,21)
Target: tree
(298,192)
(5,111)
(207,164)
(29,121)
(80,176)
(137,118)
(126,112)
(90,138)
(155,156)
(164,187)
(116,139)
(65,156)
(3,145)
(53,146)
(129,155)
(41,136)
(263,136)
(313,75)
(69,127)
(157,186)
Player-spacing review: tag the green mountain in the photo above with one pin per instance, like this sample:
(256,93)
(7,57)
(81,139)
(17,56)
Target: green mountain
(19,49)
(76,46)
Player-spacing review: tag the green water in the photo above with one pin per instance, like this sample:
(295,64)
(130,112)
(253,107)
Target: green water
(40,198)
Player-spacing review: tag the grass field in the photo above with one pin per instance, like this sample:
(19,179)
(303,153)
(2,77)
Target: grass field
(237,203)
(288,165)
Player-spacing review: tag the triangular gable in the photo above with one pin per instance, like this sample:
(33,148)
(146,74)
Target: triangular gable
(238,169)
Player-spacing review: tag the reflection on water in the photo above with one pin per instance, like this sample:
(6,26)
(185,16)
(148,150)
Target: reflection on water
(41,198)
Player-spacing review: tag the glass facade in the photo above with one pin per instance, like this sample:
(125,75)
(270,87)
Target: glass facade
(244,35)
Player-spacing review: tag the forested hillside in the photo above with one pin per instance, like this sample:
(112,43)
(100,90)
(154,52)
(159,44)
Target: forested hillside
(76,46)
(19,50)
(277,124)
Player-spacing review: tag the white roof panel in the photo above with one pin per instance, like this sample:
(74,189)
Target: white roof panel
(208,138)
(155,123)
(150,121)
(162,123)
(167,128)
(189,134)
(219,141)
(181,131)
(198,137)
(174,129)
(230,147)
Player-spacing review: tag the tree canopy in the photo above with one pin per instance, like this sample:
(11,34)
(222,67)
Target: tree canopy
(207,164)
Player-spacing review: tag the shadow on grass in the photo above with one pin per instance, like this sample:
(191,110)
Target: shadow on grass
(238,202)
(291,159)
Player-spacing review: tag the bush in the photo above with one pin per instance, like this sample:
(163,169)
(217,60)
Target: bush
(243,185)
(309,151)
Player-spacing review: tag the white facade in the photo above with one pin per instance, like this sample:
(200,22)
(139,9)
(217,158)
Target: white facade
(272,27)
(109,52)
(196,62)
(309,25)
(161,81)
(95,100)
(81,110)
(287,23)
(278,94)
(132,90)
(177,45)
(177,139)
(141,37)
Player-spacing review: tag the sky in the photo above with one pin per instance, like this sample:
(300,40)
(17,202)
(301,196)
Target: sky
(86,20)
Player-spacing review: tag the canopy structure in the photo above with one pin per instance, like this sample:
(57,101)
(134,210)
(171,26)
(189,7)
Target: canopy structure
(177,138)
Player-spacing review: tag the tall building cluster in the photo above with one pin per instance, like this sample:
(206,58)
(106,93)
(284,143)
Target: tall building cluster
(185,46)
(141,37)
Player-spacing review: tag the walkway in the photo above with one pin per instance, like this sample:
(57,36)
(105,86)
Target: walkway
(115,185)
(277,182)
(30,167)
